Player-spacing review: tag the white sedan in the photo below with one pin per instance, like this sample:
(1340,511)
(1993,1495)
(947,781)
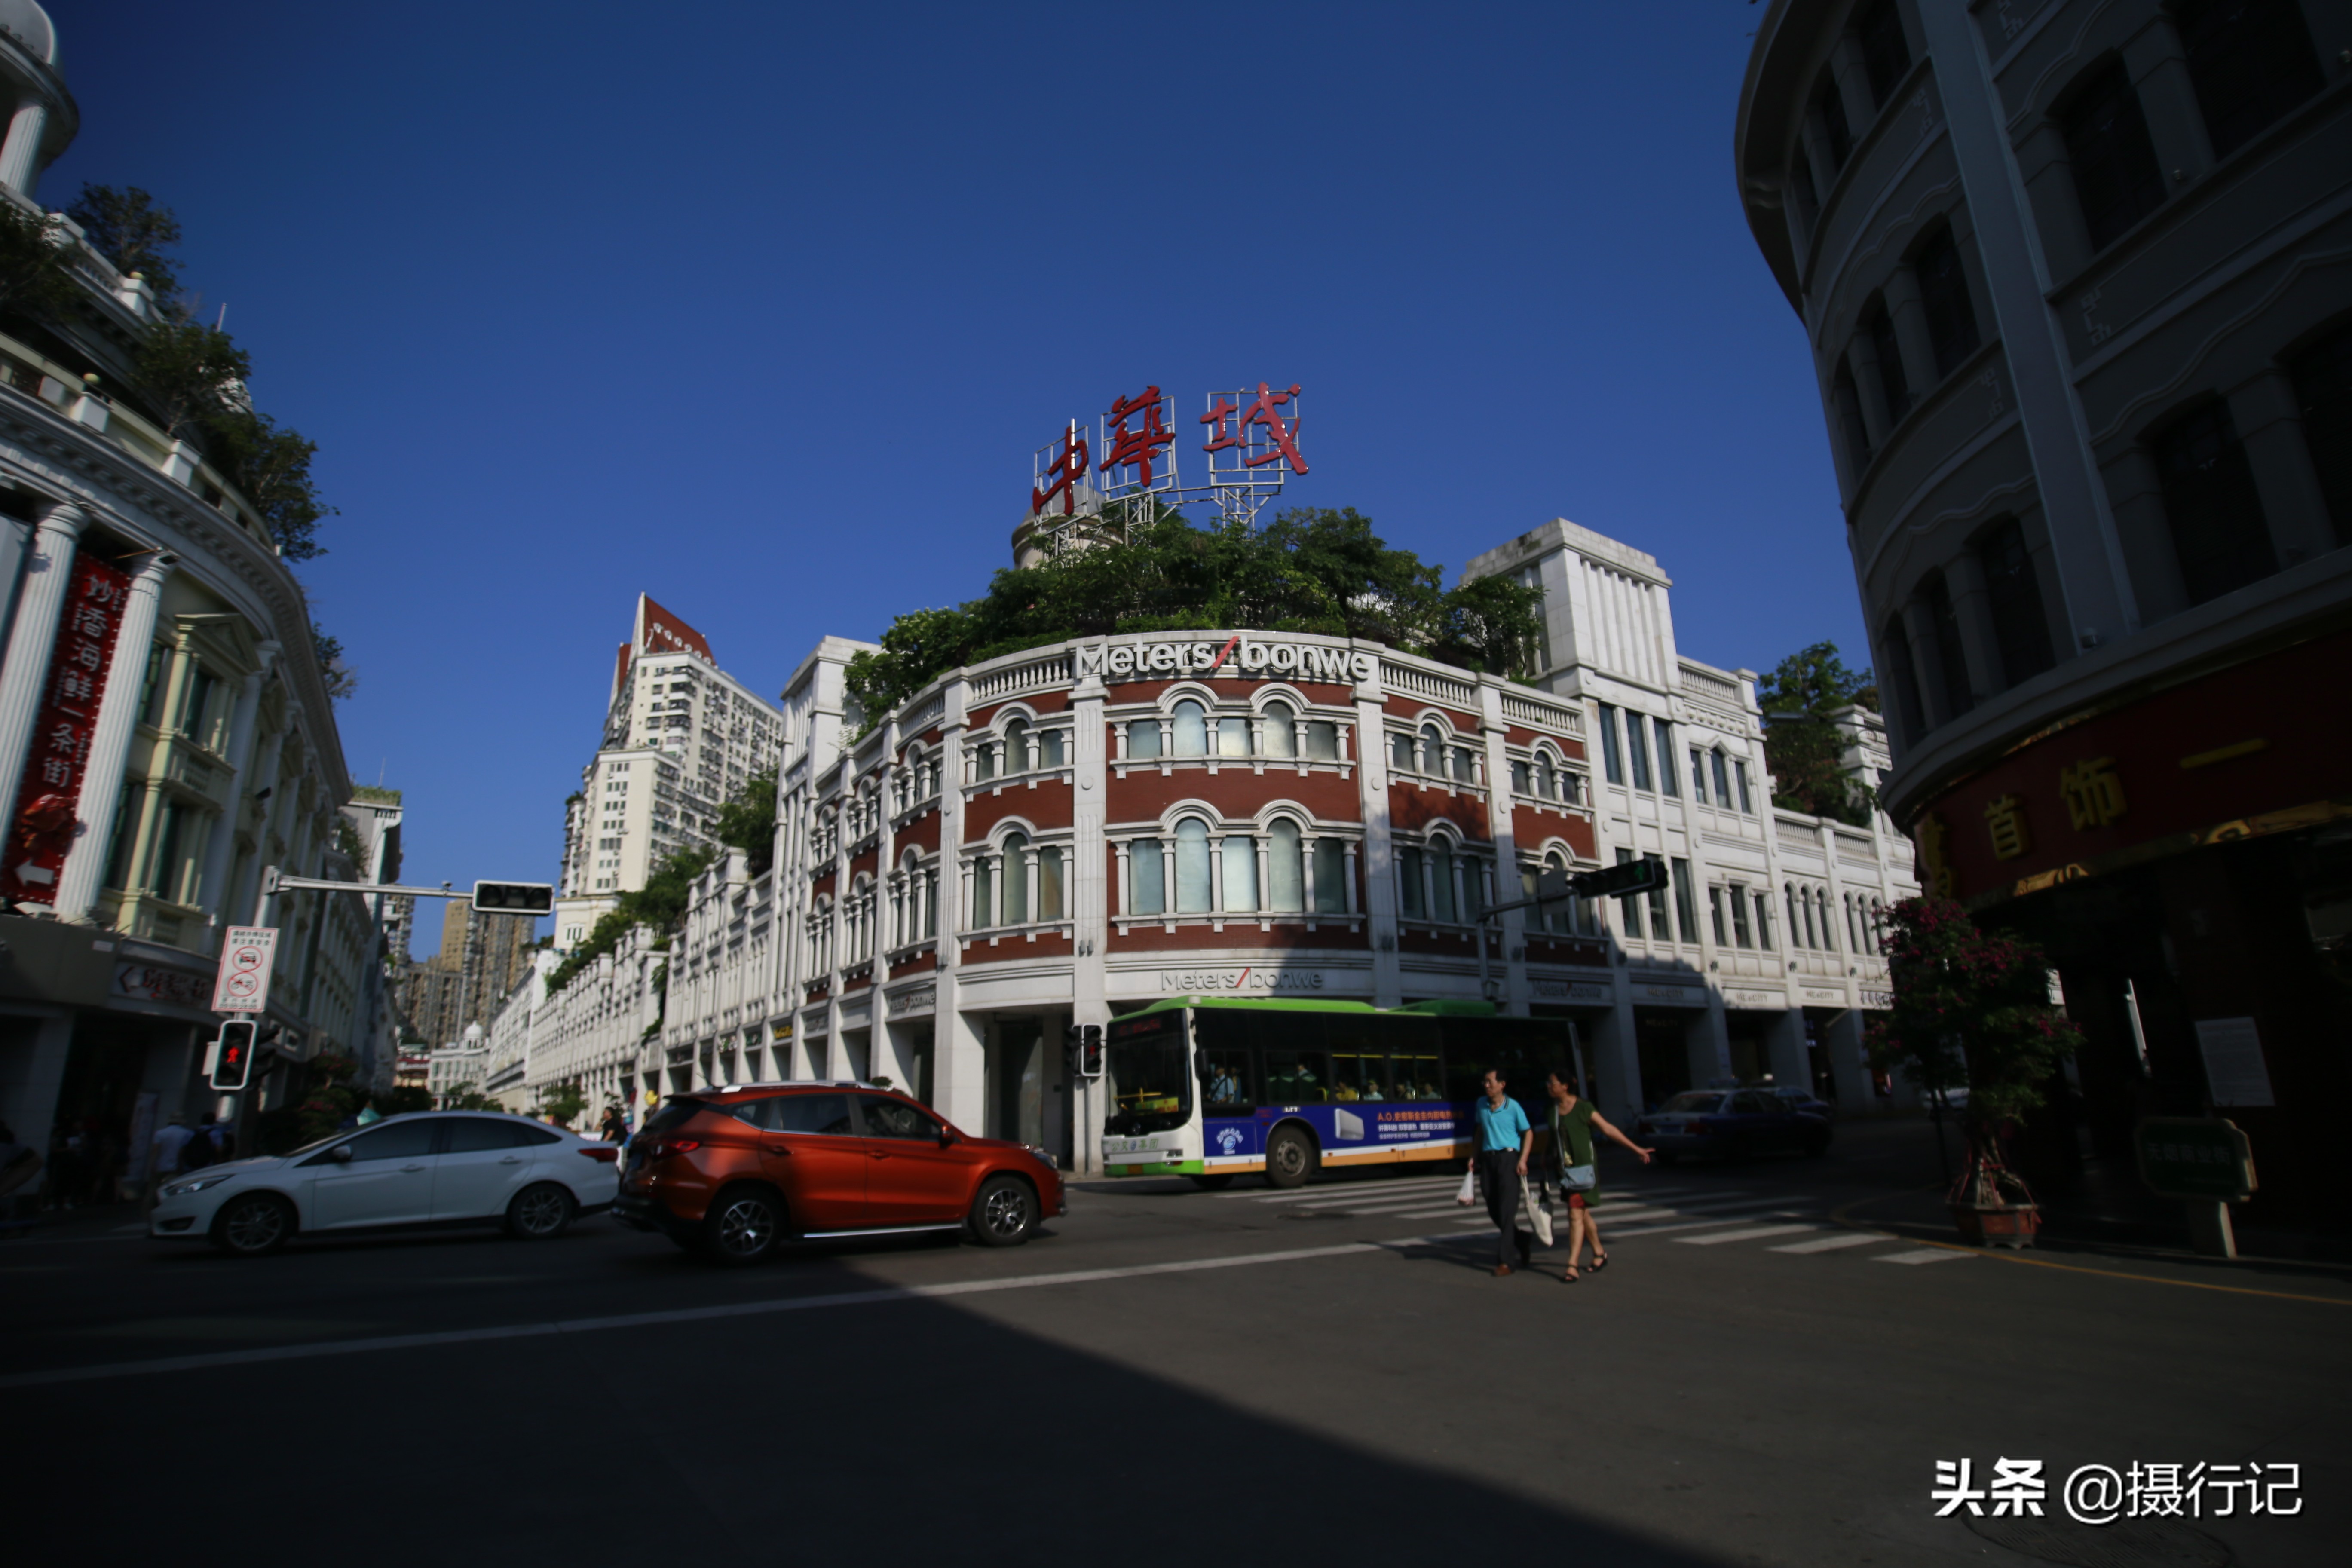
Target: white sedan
(426,1168)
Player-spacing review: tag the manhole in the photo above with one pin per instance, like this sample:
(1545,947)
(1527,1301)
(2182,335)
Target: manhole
(2126,1543)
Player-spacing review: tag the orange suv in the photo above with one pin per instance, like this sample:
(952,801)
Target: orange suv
(729,1171)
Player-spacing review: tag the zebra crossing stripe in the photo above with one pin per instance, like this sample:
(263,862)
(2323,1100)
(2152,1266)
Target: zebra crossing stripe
(1924,1255)
(1832,1243)
(1754,1232)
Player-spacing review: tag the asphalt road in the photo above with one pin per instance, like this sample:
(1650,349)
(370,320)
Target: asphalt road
(1166,1376)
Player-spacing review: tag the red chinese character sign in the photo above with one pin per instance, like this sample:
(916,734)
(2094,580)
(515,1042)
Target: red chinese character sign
(1138,447)
(1062,464)
(41,832)
(1251,445)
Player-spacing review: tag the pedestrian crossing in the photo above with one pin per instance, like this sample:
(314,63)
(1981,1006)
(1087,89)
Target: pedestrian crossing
(1687,1215)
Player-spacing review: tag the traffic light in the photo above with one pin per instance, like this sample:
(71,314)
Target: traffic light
(233,1054)
(1085,1042)
(514,899)
(1621,882)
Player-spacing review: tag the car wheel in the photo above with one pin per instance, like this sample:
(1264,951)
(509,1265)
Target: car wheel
(1214,1183)
(539,1213)
(741,1226)
(1004,1212)
(252,1225)
(1289,1159)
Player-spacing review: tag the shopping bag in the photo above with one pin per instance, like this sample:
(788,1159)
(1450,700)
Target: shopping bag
(1531,1199)
(1469,1190)
(1576,1179)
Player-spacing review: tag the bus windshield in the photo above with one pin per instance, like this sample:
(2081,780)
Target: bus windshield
(1151,1092)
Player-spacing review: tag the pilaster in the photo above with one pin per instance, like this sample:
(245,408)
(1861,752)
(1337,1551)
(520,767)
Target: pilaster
(32,636)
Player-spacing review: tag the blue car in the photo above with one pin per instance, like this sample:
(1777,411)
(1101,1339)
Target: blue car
(1731,1124)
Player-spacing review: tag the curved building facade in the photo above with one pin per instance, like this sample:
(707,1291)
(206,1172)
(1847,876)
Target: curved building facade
(165,728)
(2076,276)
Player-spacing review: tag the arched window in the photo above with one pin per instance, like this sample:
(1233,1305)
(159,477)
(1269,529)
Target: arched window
(1788,892)
(1286,867)
(2020,628)
(2117,179)
(1016,746)
(1812,935)
(1192,882)
(1443,906)
(1016,880)
(1401,753)
(1433,751)
(2249,60)
(1050,902)
(1147,886)
(1192,729)
(1241,873)
(1277,724)
(2218,529)
(1143,738)
(1829,927)
(1546,779)
(1233,736)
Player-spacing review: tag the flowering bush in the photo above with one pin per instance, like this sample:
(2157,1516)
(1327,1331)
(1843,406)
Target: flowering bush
(1972,1007)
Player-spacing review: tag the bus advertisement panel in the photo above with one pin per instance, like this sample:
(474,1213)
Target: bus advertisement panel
(1214,1088)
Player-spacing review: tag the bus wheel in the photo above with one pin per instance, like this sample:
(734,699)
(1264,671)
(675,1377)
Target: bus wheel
(1289,1159)
(1214,1184)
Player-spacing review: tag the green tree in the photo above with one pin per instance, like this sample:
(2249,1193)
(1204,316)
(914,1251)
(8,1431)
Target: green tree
(1802,748)
(34,279)
(564,1103)
(270,466)
(1971,1008)
(185,369)
(130,230)
(748,821)
(1307,570)
(339,681)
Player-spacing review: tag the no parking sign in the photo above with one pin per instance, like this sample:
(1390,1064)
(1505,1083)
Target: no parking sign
(246,955)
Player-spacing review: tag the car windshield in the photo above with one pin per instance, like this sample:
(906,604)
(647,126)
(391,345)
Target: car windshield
(1150,1090)
(1694,1101)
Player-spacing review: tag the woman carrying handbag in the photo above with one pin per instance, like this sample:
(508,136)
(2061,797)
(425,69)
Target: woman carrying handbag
(1573,1122)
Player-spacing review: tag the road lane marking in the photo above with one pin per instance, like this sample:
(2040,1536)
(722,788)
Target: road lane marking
(1832,1243)
(1923,1255)
(1638,1231)
(674,1315)
(1754,1232)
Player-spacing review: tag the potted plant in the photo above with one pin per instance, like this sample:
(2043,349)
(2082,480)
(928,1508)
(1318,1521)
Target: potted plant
(1972,1010)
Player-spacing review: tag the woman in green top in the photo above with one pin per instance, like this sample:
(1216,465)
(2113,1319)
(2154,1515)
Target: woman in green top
(1574,1120)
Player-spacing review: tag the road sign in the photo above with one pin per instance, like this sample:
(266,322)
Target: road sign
(247,953)
(514,899)
(2196,1159)
(232,1055)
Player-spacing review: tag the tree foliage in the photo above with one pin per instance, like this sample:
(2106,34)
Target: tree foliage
(1972,1007)
(34,279)
(339,681)
(1803,750)
(564,1103)
(130,230)
(1313,571)
(748,822)
(188,370)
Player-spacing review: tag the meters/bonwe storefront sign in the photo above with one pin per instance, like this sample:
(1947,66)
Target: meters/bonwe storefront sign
(1146,658)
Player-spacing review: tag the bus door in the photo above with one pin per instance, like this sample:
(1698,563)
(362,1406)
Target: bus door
(1230,1125)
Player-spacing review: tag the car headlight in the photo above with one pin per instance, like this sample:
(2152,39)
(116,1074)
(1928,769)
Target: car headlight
(181,1189)
(1051,1163)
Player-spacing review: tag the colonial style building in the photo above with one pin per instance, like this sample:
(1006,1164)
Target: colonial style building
(165,727)
(681,738)
(2073,277)
(1075,830)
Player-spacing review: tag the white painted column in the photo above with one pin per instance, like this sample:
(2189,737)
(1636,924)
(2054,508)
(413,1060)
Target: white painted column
(1380,850)
(109,743)
(32,636)
(211,889)
(20,154)
(1848,1066)
(1785,1046)
(1088,900)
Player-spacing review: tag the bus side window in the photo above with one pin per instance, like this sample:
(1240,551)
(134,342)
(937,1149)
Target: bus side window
(1296,1077)
(1416,1078)
(1230,1089)
(1356,1077)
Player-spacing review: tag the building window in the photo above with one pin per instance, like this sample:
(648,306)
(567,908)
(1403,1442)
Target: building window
(1330,876)
(1895,654)
(2251,61)
(1665,757)
(1944,299)
(2323,390)
(1192,729)
(1845,402)
(1050,749)
(1685,908)
(1740,769)
(1401,753)
(1241,873)
(1629,905)
(1637,750)
(1698,776)
(1277,725)
(1322,741)
(2014,597)
(1763,923)
(1049,884)
(1885,53)
(1613,766)
(1522,779)
(1143,738)
(1951,662)
(1193,880)
(1739,932)
(1789,894)
(1466,770)
(1233,736)
(1146,889)
(1715,911)
(2217,528)
(1829,932)
(1409,885)
(1837,137)
(1285,867)
(1891,382)
(983,761)
(2115,176)
(1722,779)
(1433,751)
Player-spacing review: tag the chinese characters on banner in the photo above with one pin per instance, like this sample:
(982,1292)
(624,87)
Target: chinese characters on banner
(41,831)
(1138,456)
(1135,432)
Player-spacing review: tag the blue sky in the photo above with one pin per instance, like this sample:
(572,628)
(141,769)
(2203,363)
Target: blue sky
(761,308)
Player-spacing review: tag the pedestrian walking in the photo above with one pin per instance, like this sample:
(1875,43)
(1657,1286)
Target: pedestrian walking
(1574,1120)
(170,1145)
(610,1130)
(1504,1139)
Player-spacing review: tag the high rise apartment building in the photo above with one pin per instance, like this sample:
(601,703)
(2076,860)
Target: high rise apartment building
(482,958)
(682,736)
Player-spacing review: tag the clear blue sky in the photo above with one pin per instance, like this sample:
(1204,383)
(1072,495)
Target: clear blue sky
(761,308)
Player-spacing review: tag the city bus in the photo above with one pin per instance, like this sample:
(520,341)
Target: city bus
(1212,1088)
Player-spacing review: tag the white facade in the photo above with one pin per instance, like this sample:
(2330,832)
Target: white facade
(592,1031)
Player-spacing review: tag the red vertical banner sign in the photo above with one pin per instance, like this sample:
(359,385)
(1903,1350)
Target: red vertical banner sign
(41,831)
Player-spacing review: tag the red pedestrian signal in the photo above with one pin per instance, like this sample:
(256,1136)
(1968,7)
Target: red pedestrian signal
(233,1055)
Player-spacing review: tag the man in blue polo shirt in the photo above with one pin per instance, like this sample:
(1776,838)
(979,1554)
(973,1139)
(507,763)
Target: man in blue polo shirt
(1504,1139)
